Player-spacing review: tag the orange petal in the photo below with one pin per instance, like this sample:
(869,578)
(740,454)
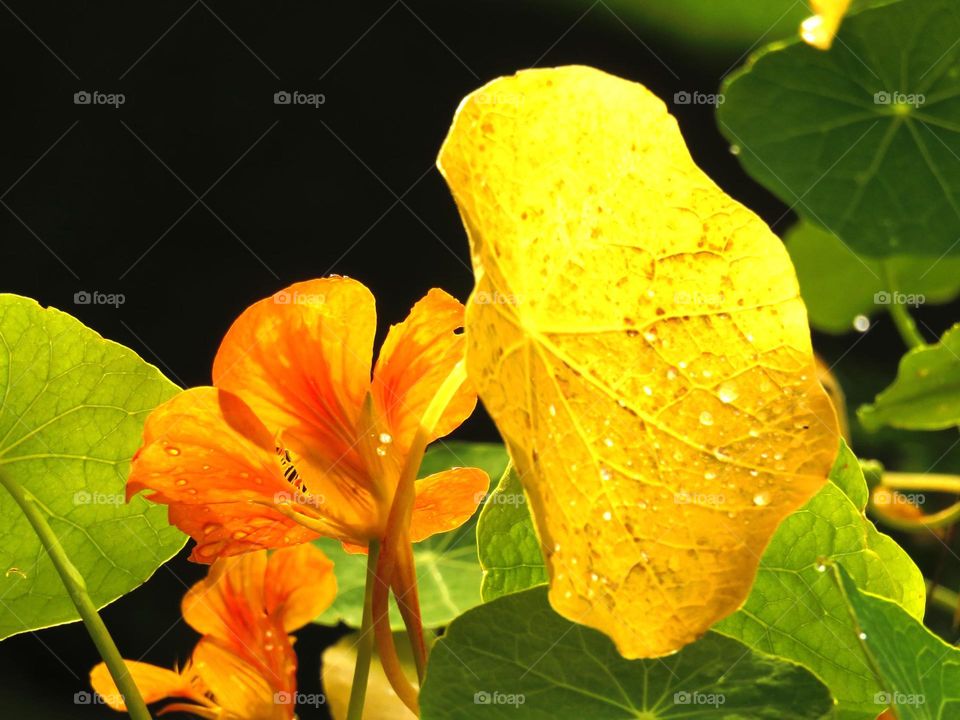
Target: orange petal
(155,683)
(301,359)
(239,687)
(299,585)
(228,602)
(206,446)
(446,500)
(416,358)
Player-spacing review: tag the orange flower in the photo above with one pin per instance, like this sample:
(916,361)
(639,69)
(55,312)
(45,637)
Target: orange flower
(295,440)
(244,666)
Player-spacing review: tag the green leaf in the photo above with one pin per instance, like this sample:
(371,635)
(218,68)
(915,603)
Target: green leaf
(448,571)
(794,611)
(838,285)
(926,393)
(507,542)
(515,657)
(71,417)
(864,139)
(918,673)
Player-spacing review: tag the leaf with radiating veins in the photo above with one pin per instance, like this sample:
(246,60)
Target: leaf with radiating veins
(638,337)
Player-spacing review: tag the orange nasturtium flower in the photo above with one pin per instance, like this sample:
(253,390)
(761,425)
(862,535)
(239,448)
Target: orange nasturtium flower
(297,440)
(244,666)
(820,29)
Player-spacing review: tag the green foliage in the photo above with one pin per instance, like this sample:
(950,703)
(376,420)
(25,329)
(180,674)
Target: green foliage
(918,673)
(515,657)
(863,139)
(837,285)
(71,418)
(448,572)
(926,393)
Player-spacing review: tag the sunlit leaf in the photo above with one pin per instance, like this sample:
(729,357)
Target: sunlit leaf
(515,657)
(448,571)
(507,543)
(926,393)
(837,285)
(918,673)
(72,411)
(863,139)
(639,340)
(796,612)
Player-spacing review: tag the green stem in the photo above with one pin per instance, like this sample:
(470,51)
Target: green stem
(898,312)
(928,482)
(361,671)
(77,589)
(943,598)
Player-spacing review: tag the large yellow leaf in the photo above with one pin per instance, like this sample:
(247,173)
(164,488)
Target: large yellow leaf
(638,337)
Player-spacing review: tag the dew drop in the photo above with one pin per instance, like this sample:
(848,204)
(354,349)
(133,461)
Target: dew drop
(239,535)
(607,515)
(206,467)
(605,474)
(727,393)
(760,499)
(709,475)
(863,636)
(754,473)
(821,568)
(173,451)
(381,451)
(861,323)
(642,505)
(608,442)
(180,483)
(386,438)
(734,149)
(706,418)
(552,410)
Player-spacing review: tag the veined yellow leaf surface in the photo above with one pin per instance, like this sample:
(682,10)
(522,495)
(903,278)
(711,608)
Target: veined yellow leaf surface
(638,337)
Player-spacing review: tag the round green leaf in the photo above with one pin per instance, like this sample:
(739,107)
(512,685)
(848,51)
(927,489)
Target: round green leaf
(71,417)
(863,140)
(515,657)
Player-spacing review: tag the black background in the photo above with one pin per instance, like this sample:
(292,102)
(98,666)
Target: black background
(104,199)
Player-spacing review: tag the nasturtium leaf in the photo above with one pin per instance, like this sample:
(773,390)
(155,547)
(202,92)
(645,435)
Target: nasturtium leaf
(862,139)
(837,285)
(507,542)
(515,657)
(448,571)
(918,673)
(796,612)
(639,339)
(926,392)
(71,416)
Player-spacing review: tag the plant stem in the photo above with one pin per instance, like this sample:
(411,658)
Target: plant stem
(942,597)
(77,589)
(361,671)
(898,312)
(943,518)
(929,482)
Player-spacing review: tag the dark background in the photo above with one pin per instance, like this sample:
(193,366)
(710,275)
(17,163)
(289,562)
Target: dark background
(104,199)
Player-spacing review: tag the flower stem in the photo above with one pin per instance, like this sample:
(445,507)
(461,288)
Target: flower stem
(929,482)
(898,312)
(77,589)
(361,671)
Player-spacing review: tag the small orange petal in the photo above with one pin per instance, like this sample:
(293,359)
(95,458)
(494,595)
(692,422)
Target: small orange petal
(416,358)
(301,359)
(155,683)
(446,500)
(299,585)
(228,602)
(239,687)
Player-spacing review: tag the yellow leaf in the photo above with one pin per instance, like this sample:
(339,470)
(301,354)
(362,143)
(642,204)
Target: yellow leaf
(820,29)
(638,337)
